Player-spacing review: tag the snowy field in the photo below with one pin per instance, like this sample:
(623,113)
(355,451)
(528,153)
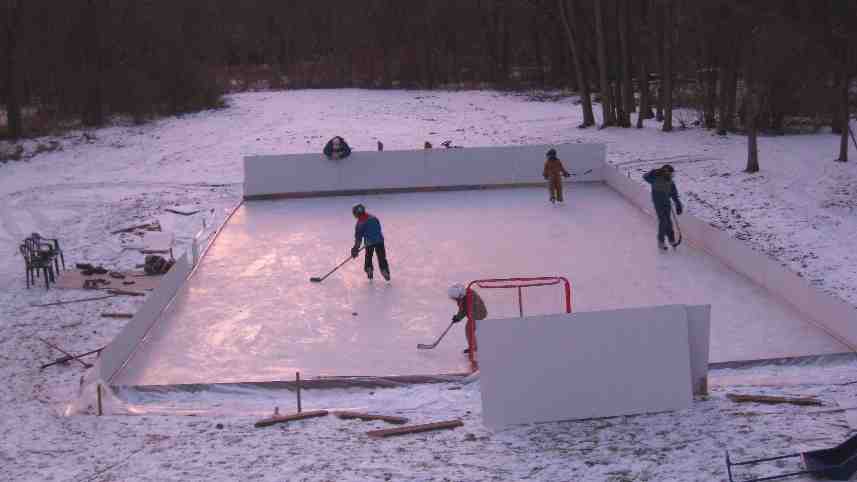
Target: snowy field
(800,209)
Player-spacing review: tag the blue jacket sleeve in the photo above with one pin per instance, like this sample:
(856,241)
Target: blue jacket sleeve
(674,196)
(650,176)
(358,234)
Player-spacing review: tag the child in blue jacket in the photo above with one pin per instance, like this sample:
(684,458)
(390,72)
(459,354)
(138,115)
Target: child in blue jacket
(664,191)
(368,232)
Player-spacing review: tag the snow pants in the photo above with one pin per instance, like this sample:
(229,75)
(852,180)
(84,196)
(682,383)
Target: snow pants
(665,222)
(382,258)
(555,188)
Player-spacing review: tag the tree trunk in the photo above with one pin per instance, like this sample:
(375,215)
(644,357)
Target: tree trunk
(658,21)
(844,116)
(643,40)
(667,66)
(645,109)
(625,49)
(576,53)
(752,114)
(537,49)
(13,93)
(710,76)
(836,115)
(606,95)
(93,113)
(727,96)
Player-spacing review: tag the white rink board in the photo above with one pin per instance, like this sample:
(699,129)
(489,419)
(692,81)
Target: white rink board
(114,355)
(313,174)
(838,319)
(584,365)
(699,337)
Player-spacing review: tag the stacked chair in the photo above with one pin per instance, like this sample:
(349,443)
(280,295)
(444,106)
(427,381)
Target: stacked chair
(42,258)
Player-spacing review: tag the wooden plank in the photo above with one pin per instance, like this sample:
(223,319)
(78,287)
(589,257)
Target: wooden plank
(117,315)
(68,358)
(72,357)
(427,427)
(738,398)
(152,225)
(79,300)
(288,418)
(117,291)
(183,213)
(369,416)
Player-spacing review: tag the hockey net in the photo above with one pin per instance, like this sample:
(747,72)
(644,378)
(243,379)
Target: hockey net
(518,297)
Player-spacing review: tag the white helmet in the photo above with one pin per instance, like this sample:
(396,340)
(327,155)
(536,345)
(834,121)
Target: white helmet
(456,291)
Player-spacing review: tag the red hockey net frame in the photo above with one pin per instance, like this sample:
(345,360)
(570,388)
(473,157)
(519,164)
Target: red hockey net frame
(512,283)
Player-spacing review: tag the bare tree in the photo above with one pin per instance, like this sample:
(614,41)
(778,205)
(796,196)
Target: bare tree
(13,101)
(845,115)
(624,27)
(579,67)
(667,61)
(601,46)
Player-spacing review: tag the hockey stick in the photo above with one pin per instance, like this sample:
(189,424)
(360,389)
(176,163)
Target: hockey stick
(429,347)
(581,173)
(677,227)
(319,280)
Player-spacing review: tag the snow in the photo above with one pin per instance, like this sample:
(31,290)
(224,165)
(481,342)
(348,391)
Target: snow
(799,210)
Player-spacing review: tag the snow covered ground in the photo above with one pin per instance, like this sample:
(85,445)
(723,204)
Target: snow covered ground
(800,210)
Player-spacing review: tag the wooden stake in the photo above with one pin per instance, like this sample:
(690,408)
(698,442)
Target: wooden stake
(298,389)
(98,393)
(369,416)
(288,418)
(772,400)
(390,432)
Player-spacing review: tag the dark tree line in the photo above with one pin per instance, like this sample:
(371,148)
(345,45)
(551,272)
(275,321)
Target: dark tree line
(744,66)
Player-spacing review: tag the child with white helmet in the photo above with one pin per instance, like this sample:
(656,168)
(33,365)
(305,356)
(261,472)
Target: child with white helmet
(465,299)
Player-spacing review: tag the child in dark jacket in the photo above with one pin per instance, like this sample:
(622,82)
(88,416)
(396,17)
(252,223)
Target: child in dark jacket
(664,190)
(553,173)
(368,232)
(337,148)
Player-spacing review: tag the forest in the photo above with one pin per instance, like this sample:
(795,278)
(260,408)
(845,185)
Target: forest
(750,67)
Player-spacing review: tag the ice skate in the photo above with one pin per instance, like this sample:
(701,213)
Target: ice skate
(385,274)
(369,274)
(662,246)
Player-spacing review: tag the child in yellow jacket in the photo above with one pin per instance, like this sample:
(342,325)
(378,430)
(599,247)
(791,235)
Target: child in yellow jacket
(553,173)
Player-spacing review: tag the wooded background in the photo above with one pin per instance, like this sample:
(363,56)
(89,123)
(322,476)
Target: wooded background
(749,66)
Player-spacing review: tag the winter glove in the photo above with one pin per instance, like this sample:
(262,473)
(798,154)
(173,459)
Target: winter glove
(545,176)
(678,209)
(456,319)
(566,175)
(355,251)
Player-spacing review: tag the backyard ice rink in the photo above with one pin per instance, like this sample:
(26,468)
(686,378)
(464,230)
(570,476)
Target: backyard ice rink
(250,314)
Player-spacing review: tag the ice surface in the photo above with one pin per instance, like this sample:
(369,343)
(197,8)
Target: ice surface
(251,314)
